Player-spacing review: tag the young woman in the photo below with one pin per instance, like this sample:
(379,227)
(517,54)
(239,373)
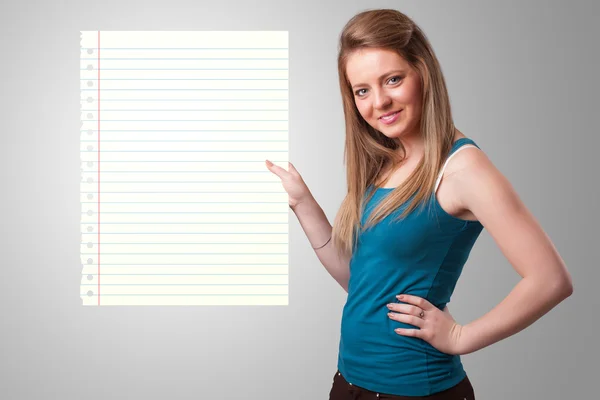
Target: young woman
(419,194)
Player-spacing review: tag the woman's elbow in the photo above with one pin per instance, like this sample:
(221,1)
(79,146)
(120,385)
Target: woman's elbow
(564,286)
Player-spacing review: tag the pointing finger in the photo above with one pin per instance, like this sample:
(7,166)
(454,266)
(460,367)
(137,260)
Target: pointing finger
(291,168)
(276,169)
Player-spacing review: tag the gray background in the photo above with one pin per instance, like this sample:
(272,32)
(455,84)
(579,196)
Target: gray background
(523,82)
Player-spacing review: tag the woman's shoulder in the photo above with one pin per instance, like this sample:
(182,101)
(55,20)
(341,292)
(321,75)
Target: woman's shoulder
(458,171)
(470,169)
(469,155)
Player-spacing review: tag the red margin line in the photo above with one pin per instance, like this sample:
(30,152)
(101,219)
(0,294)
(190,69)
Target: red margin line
(98,167)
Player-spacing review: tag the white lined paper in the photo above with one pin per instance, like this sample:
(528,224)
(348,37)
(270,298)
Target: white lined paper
(177,206)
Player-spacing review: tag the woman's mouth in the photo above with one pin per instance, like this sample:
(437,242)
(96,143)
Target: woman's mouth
(390,119)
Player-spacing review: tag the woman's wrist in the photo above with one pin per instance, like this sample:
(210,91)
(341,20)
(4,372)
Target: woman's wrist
(314,222)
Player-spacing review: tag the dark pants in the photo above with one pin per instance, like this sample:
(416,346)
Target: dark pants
(342,390)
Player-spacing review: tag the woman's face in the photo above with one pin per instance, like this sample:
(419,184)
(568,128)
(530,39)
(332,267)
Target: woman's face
(383,82)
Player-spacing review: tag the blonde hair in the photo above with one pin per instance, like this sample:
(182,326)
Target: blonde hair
(366,149)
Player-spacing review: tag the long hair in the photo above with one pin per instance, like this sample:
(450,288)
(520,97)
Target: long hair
(366,149)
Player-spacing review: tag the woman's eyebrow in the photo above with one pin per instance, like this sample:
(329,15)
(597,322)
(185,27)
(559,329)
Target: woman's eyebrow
(380,78)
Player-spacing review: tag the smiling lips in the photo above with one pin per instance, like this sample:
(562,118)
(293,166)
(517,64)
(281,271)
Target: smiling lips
(389,119)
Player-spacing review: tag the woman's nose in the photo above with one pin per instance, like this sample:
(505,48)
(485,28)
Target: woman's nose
(381,100)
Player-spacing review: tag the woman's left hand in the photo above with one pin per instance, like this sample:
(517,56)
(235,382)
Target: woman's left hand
(436,327)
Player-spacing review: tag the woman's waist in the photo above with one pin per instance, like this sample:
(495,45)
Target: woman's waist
(364,349)
(376,336)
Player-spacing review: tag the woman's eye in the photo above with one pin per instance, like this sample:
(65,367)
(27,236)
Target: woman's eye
(393,77)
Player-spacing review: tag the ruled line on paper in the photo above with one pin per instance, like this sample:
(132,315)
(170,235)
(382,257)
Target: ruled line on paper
(98,101)
(149,205)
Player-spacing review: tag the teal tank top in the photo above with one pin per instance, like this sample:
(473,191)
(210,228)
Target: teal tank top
(423,254)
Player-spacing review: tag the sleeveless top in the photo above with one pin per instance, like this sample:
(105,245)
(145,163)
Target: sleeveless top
(422,254)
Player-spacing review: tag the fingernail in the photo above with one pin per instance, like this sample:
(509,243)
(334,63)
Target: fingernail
(399,297)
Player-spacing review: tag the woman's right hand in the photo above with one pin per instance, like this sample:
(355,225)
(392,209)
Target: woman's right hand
(292,182)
